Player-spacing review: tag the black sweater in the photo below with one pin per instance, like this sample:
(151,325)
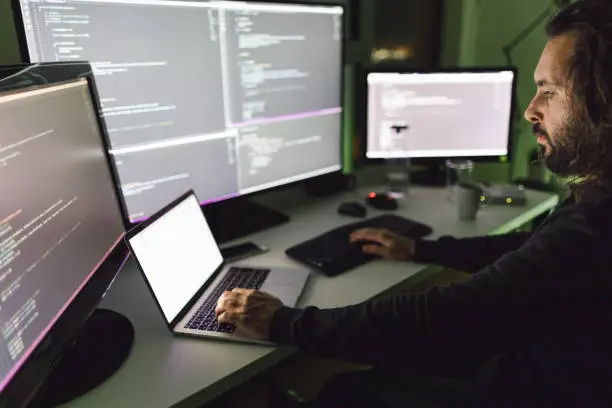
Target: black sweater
(538,310)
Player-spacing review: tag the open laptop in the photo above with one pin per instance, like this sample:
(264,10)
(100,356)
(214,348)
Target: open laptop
(186,273)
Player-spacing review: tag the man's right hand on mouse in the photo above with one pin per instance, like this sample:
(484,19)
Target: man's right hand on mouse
(385,244)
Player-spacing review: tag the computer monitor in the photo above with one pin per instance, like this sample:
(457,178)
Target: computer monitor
(224,97)
(463,113)
(61,225)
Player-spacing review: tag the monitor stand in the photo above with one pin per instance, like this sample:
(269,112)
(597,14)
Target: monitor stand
(97,353)
(434,175)
(238,217)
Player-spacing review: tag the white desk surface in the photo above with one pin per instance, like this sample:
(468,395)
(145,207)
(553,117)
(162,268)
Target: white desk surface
(164,370)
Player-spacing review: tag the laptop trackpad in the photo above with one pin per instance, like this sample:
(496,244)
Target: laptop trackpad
(287,285)
(287,294)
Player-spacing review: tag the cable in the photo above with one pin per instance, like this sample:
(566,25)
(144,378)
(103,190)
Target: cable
(524,33)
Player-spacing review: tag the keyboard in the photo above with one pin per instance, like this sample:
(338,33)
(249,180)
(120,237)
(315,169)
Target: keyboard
(245,278)
(332,253)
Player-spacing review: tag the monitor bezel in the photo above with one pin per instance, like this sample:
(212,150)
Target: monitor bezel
(22,387)
(25,57)
(394,68)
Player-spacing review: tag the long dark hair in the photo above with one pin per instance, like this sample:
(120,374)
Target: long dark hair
(589,77)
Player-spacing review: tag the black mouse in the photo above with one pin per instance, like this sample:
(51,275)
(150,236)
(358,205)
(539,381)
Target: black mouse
(353,209)
(382,201)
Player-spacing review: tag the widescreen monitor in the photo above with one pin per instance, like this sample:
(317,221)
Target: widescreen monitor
(224,97)
(61,224)
(444,114)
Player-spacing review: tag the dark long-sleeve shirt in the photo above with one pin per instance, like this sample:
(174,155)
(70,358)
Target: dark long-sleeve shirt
(542,303)
(468,254)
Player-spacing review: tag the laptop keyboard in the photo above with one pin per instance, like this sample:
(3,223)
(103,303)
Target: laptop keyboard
(245,278)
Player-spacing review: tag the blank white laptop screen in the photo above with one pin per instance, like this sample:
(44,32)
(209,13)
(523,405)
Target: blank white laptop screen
(177,254)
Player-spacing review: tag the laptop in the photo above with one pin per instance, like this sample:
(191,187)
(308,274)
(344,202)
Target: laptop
(183,267)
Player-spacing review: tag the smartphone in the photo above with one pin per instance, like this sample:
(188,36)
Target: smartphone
(241,251)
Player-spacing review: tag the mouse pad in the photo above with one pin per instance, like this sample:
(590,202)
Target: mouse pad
(331,253)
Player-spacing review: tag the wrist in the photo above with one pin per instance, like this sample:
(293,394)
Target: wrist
(412,251)
(280,331)
(421,252)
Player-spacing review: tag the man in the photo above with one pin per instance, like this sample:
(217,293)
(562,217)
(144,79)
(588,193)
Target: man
(533,326)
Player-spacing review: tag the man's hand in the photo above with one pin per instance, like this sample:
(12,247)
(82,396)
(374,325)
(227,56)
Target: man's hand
(250,310)
(385,243)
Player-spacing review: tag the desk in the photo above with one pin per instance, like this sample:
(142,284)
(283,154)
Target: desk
(165,371)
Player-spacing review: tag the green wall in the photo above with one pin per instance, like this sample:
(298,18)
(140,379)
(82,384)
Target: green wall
(475,33)
(9,51)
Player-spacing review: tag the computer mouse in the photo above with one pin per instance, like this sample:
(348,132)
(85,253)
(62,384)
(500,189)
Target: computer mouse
(353,209)
(382,201)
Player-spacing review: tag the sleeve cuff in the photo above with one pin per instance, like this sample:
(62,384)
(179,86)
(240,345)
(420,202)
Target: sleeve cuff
(281,326)
(428,251)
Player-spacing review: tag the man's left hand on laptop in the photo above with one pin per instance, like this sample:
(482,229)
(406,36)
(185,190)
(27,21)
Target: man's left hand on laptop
(250,310)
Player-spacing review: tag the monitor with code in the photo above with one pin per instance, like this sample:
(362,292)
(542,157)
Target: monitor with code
(60,218)
(464,113)
(223,97)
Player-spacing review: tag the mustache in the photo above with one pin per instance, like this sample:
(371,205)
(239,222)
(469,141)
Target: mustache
(537,130)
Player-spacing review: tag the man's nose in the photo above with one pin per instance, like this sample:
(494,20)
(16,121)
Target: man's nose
(532,114)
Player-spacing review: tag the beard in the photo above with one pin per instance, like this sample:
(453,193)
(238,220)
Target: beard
(574,151)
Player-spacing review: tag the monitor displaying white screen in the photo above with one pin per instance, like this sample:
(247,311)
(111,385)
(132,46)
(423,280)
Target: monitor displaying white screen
(223,97)
(177,254)
(439,114)
(59,214)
